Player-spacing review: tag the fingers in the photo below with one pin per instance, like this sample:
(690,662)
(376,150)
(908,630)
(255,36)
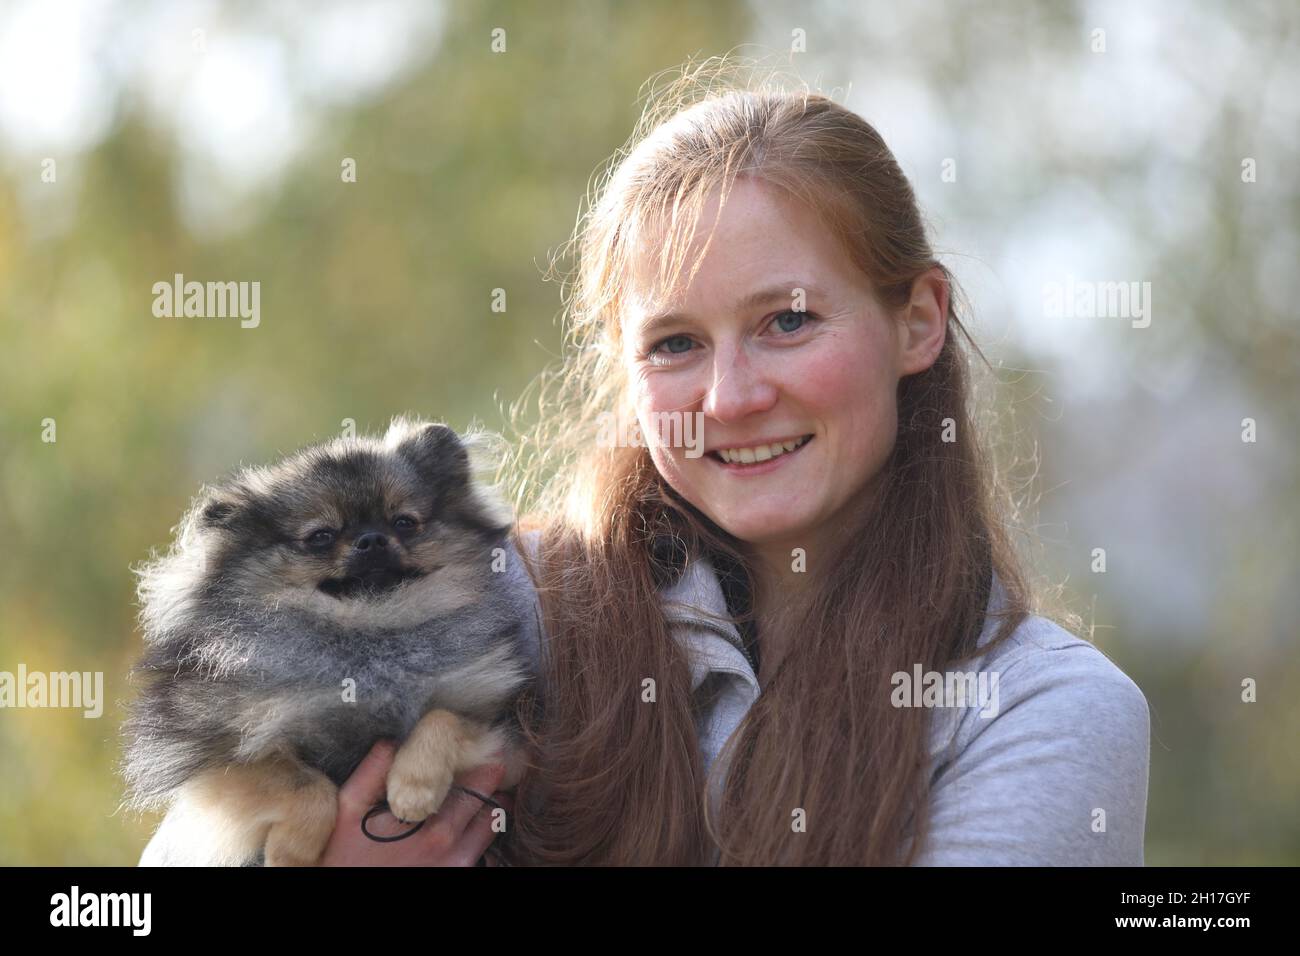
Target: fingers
(460,808)
(457,835)
(365,787)
(480,834)
(462,827)
(507,801)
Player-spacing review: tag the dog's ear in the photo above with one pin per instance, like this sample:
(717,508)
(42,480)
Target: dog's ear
(218,508)
(436,450)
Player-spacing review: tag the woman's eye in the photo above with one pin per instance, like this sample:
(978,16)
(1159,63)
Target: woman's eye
(787,322)
(658,348)
(321,538)
(404,522)
(781,320)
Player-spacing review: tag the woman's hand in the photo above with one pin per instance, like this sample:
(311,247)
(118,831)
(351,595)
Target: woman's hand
(457,835)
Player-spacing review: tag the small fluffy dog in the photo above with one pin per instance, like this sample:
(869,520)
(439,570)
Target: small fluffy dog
(351,592)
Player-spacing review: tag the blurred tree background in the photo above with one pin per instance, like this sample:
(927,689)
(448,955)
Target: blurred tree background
(209,139)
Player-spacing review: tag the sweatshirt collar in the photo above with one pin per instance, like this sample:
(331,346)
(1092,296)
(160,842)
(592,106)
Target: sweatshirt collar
(697,594)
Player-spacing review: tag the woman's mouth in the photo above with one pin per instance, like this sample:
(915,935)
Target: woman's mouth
(760,459)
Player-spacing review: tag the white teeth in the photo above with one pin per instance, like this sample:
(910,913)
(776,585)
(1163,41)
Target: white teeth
(749,456)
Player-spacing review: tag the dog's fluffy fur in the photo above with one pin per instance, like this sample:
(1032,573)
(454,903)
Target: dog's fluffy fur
(349,593)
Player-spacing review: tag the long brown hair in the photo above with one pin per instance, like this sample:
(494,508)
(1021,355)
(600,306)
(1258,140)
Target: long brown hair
(619,780)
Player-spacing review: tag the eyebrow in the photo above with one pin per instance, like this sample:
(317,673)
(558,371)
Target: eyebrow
(780,292)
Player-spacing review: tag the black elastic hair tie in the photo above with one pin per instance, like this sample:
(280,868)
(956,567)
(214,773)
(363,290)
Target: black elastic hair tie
(378,808)
(382,806)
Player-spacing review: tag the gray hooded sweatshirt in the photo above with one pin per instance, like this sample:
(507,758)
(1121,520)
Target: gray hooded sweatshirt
(1045,765)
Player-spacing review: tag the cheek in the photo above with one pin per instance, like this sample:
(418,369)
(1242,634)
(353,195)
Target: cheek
(423,551)
(848,374)
(664,393)
(274,570)
(851,387)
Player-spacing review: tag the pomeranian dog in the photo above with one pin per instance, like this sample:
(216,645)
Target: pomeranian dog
(351,592)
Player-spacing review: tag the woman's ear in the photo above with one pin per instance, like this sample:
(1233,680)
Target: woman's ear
(923,322)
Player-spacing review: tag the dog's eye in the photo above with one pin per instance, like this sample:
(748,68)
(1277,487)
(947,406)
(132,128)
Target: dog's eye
(404,523)
(321,538)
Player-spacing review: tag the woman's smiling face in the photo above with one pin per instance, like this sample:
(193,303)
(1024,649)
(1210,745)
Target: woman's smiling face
(736,352)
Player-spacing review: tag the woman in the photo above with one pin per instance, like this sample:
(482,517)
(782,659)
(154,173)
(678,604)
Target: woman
(758,622)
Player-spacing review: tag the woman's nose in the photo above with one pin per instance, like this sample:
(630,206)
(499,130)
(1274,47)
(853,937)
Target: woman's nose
(740,387)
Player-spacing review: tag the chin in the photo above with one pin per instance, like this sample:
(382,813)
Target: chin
(760,529)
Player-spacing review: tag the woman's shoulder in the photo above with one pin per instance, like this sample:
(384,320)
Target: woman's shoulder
(1043,660)
(525,543)
(527,538)
(1050,765)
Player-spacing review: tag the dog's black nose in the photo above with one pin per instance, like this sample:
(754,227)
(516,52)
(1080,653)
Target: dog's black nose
(371,541)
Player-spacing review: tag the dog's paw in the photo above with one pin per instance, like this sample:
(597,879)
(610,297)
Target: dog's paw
(285,854)
(296,845)
(303,824)
(417,791)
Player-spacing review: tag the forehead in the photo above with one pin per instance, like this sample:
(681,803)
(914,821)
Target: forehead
(355,482)
(762,236)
